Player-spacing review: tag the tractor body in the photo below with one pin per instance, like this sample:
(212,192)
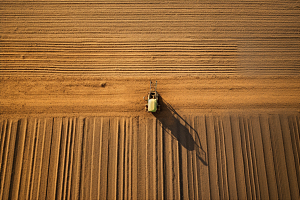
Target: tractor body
(152,101)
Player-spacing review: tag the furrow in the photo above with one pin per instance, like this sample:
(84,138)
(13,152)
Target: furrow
(249,157)
(290,162)
(257,141)
(192,130)
(63,158)
(150,158)
(33,153)
(82,171)
(104,158)
(127,134)
(134,160)
(54,158)
(7,161)
(154,161)
(247,167)
(219,155)
(70,158)
(279,157)
(25,180)
(212,158)
(160,161)
(130,153)
(268,156)
(183,137)
(46,158)
(77,158)
(297,128)
(37,158)
(18,159)
(141,139)
(92,66)
(121,160)
(98,157)
(253,159)
(2,138)
(168,163)
(147,157)
(294,131)
(85,172)
(116,160)
(92,155)
(188,142)
(3,150)
(202,157)
(238,157)
(223,158)
(231,165)
(176,168)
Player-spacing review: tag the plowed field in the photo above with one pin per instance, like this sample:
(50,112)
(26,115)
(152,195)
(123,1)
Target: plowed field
(237,156)
(138,37)
(73,75)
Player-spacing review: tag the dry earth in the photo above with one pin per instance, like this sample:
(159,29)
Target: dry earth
(72,119)
(124,96)
(138,37)
(166,156)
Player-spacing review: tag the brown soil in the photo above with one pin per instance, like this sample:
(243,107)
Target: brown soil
(73,76)
(124,96)
(168,155)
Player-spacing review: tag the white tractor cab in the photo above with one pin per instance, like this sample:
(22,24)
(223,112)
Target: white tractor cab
(152,101)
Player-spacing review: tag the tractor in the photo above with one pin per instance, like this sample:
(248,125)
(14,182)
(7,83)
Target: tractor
(152,101)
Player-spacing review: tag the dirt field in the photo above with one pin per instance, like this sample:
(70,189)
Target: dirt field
(113,96)
(73,76)
(166,156)
(137,38)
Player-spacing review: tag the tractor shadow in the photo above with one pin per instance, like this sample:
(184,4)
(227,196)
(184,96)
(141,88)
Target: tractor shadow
(175,125)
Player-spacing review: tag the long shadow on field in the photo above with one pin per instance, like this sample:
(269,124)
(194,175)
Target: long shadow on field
(175,125)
